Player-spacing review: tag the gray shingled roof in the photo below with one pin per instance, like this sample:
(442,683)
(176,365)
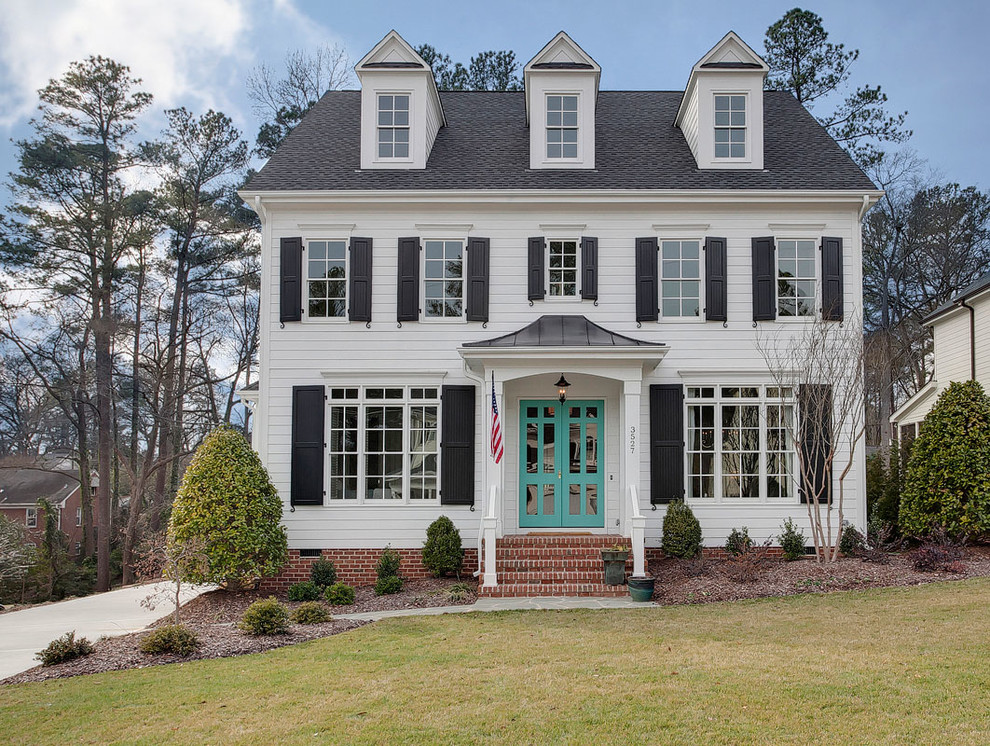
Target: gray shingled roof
(485,145)
(976,287)
(563,331)
(26,486)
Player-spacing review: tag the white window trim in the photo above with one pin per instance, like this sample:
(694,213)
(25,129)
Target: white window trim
(763,400)
(347,283)
(748,141)
(361,403)
(700,318)
(378,158)
(31,517)
(817,305)
(462,319)
(576,298)
(579,158)
(78,516)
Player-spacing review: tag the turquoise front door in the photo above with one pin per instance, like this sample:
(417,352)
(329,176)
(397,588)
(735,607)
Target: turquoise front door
(562,462)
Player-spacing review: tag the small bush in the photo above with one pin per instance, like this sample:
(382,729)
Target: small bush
(852,542)
(388,564)
(459,592)
(323,573)
(738,541)
(442,553)
(340,594)
(306,590)
(791,540)
(681,532)
(64,648)
(311,612)
(174,639)
(388,585)
(265,617)
(747,566)
(940,552)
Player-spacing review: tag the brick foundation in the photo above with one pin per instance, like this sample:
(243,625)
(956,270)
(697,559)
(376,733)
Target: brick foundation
(356,567)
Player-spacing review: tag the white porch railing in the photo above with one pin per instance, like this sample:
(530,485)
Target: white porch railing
(637,522)
(487,538)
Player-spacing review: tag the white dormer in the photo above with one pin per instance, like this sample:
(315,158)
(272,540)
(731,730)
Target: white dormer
(561,90)
(721,113)
(400,106)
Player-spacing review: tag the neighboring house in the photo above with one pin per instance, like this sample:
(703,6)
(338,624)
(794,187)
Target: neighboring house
(22,488)
(422,247)
(961,339)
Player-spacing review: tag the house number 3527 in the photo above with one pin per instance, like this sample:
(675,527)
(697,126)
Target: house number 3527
(632,439)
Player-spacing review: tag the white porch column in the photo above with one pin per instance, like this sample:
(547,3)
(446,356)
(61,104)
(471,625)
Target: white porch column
(494,486)
(632,440)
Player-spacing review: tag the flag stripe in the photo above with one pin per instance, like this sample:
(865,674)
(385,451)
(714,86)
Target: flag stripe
(496,435)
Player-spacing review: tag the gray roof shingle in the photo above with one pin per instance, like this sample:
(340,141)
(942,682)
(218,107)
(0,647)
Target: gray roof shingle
(485,145)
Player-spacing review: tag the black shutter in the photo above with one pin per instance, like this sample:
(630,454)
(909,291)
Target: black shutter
(478,250)
(716,280)
(290,280)
(589,268)
(360,290)
(832,279)
(457,438)
(308,406)
(407,306)
(815,433)
(647,298)
(537,258)
(764,279)
(666,443)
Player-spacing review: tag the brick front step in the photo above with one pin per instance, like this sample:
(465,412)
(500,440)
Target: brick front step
(556,577)
(563,540)
(550,564)
(529,590)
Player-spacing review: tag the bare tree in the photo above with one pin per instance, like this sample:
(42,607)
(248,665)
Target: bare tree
(17,554)
(161,558)
(823,366)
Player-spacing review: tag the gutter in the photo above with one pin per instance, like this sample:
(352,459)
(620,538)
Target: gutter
(972,338)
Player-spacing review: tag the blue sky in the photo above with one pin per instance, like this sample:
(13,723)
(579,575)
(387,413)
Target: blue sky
(196,53)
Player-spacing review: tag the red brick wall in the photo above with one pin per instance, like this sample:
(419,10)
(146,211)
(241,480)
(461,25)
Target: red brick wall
(655,553)
(357,567)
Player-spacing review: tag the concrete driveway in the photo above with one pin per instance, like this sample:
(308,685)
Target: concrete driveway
(23,633)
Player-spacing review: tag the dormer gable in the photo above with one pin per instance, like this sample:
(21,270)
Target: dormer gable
(721,112)
(401,111)
(561,84)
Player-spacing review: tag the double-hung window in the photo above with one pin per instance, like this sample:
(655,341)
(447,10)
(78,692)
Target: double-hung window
(443,279)
(563,268)
(326,273)
(393,125)
(78,516)
(383,445)
(31,517)
(680,279)
(740,443)
(562,127)
(796,278)
(730,126)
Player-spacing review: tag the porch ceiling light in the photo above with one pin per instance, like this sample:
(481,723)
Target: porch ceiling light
(562,385)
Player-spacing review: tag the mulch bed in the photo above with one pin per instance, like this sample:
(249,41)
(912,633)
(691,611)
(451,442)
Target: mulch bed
(213,616)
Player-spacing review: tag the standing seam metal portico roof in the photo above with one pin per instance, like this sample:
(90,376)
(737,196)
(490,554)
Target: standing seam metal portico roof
(563,331)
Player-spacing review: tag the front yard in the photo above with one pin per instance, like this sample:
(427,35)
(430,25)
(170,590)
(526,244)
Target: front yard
(901,665)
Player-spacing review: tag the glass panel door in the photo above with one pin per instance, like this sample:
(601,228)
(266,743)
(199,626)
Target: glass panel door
(561,481)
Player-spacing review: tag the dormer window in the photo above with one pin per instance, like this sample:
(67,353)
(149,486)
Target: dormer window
(562,126)
(730,126)
(393,126)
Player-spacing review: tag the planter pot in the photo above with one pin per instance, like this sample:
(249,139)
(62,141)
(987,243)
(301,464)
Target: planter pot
(615,566)
(641,589)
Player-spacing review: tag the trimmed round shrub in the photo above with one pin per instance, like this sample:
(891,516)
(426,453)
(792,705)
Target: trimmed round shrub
(852,541)
(340,594)
(173,639)
(311,612)
(228,505)
(306,590)
(388,564)
(442,553)
(948,476)
(791,540)
(323,573)
(738,541)
(388,585)
(65,648)
(265,617)
(681,532)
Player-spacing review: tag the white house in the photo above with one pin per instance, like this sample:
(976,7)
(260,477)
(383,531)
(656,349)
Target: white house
(422,249)
(961,341)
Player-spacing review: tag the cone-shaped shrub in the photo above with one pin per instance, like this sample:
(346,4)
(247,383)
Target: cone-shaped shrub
(681,532)
(442,553)
(948,477)
(228,505)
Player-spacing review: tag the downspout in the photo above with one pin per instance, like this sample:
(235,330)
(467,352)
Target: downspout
(972,338)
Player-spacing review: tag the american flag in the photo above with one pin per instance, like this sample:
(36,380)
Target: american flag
(496,427)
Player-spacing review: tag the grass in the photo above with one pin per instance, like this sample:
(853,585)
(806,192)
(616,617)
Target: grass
(903,665)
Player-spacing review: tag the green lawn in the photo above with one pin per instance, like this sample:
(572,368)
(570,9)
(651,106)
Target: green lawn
(891,666)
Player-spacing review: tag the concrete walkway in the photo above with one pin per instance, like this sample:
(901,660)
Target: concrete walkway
(506,604)
(23,633)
